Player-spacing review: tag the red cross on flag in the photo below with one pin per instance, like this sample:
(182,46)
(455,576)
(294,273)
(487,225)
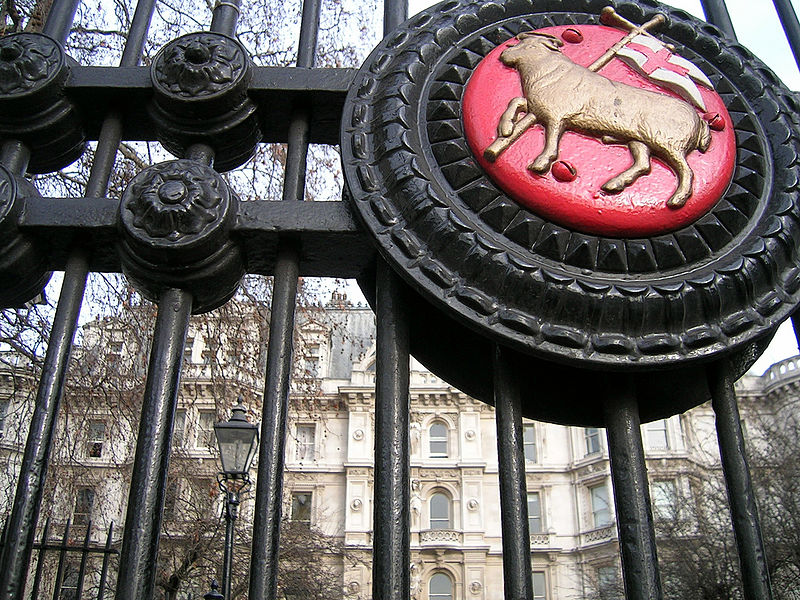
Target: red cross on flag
(652,58)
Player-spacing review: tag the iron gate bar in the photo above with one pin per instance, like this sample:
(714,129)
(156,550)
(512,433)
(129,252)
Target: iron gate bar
(513,484)
(631,491)
(275,89)
(25,511)
(137,567)
(744,513)
(37,578)
(84,555)
(101,586)
(791,26)
(265,549)
(391,543)
(716,12)
(741,496)
(60,569)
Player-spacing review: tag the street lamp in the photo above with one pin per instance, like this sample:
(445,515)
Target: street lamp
(237,440)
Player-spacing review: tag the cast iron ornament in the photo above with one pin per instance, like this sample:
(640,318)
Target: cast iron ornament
(200,83)
(670,298)
(33,71)
(23,271)
(176,219)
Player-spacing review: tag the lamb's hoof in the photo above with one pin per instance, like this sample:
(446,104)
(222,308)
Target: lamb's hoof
(613,186)
(540,166)
(505,128)
(677,201)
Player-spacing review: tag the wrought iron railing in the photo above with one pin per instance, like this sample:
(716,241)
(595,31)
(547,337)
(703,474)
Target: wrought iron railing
(199,269)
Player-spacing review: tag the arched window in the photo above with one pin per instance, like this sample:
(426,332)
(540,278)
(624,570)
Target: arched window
(440,587)
(440,512)
(437,440)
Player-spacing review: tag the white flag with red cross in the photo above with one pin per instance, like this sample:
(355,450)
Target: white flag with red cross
(654,60)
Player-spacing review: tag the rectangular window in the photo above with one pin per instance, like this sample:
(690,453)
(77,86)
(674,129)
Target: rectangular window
(529,442)
(656,435)
(301,507)
(203,493)
(96,437)
(437,440)
(311,360)
(171,499)
(592,437)
(3,412)
(534,513)
(539,586)
(69,583)
(608,582)
(84,501)
(205,429)
(179,432)
(601,508)
(665,499)
(305,442)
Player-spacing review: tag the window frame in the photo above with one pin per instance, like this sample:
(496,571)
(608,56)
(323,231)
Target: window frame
(539,516)
(438,522)
(95,442)
(445,439)
(439,595)
(529,444)
(597,524)
(210,443)
(83,517)
(658,427)
(664,510)
(296,494)
(539,591)
(592,443)
(302,448)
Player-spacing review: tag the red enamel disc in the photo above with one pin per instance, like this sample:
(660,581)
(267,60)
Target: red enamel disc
(570,193)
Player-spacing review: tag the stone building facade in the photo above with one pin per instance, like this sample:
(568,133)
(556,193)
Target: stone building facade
(455,508)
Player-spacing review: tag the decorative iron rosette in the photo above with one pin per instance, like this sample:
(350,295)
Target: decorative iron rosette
(33,71)
(200,83)
(176,219)
(557,292)
(23,271)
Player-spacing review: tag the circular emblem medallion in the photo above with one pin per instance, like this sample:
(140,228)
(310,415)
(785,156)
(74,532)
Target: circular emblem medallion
(624,218)
(574,191)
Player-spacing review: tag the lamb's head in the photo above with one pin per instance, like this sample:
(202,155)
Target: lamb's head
(531,44)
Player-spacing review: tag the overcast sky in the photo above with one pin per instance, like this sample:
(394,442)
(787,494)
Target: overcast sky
(758,28)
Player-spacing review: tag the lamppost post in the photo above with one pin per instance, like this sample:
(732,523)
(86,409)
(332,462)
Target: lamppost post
(237,440)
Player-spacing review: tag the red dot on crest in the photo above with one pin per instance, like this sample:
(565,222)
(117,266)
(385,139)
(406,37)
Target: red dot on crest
(573,36)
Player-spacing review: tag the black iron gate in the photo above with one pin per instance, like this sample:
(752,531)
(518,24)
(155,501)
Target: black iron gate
(188,266)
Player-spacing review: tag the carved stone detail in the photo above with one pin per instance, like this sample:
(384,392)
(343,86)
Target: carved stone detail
(475,587)
(199,64)
(28,61)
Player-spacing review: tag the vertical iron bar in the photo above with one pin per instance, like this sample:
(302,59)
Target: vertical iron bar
(101,586)
(271,453)
(84,555)
(225,16)
(14,155)
(231,510)
(391,546)
(37,578)
(60,570)
(391,550)
(631,491)
(741,497)
(513,486)
(791,26)
(27,500)
(59,19)
(137,567)
(717,14)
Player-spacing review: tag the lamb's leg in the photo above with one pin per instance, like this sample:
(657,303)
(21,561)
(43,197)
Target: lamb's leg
(552,137)
(516,106)
(685,175)
(640,166)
